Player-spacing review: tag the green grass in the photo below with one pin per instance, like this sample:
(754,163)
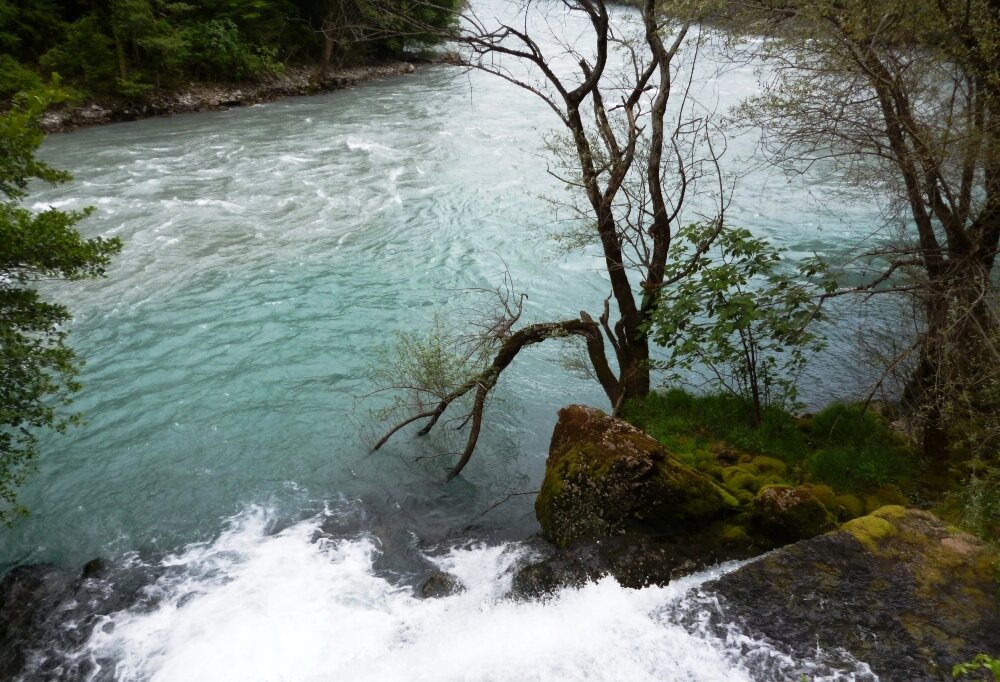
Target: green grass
(854,449)
(687,424)
(843,446)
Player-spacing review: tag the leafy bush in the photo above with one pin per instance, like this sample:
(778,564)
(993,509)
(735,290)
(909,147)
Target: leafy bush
(735,314)
(216,49)
(980,663)
(856,450)
(981,503)
(15,77)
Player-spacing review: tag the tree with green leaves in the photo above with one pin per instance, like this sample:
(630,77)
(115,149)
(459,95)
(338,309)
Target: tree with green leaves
(38,369)
(902,99)
(738,315)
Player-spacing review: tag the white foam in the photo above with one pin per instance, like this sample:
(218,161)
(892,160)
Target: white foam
(252,606)
(355,144)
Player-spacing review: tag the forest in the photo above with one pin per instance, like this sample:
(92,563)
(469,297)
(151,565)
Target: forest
(126,48)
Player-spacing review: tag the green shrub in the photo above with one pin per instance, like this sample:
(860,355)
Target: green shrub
(15,77)
(856,450)
(981,503)
(216,49)
(980,663)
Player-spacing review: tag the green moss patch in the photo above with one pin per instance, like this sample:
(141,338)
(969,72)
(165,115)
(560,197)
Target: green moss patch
(844,447)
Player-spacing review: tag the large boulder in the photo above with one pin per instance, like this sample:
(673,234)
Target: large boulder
(604,477)
(898,589)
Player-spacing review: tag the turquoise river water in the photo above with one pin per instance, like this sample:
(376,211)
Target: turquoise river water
(268,252)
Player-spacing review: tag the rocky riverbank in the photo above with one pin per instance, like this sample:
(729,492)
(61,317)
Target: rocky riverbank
(216,96)
(894,587)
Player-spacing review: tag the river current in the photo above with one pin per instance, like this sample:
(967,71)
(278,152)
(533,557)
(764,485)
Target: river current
(223,473)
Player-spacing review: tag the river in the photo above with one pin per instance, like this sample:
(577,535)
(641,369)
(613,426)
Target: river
(223,472)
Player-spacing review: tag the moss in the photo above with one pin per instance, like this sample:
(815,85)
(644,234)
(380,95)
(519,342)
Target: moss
(892,512)
(769,465)
(870,531)
(826,495)
(884,496)
(786,514)
(736,478)
(735,535)
(849,507)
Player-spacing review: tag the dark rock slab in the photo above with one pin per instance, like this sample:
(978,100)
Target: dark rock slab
(634,561)
(440,584)
(898,589)
(29,594)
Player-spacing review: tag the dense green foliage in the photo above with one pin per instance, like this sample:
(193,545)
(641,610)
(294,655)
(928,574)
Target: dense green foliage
(855,450)
(688,425)
(127,47)
(37,368)
(843,445)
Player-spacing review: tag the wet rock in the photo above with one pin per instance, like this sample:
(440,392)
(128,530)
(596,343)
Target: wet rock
(604,477)
(28,596)
(440,584)
(898,589)
(634,561)
(93,567)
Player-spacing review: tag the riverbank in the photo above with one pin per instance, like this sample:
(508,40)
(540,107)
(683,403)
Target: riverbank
(194,97)
(858,570)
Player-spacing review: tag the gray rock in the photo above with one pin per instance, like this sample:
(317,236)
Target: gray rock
(440,584)
(899,589)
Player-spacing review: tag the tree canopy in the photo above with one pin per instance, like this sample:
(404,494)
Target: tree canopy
(127,47)
(38,369)
(902,99)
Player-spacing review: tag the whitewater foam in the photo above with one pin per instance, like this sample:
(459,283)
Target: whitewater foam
(299,605)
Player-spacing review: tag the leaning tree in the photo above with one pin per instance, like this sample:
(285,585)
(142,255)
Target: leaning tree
(635,144)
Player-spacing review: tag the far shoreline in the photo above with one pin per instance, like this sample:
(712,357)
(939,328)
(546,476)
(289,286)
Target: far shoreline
(199,97)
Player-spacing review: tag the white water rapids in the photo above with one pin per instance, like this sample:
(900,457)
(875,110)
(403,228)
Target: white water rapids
(297,605)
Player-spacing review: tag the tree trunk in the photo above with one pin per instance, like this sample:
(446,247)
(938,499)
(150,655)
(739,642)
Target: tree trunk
(635,381)
(960,326)
(329,44)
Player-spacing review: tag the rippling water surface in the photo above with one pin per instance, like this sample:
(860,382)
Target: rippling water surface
(268,252)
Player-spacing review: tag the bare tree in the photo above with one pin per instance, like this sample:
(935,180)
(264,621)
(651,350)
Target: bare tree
(903,100)
(633,156)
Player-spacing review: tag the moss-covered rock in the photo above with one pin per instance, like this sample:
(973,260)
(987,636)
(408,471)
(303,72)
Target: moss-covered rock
(605,477)
(785,514)
(849,507)
(899,589)
(883,497)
